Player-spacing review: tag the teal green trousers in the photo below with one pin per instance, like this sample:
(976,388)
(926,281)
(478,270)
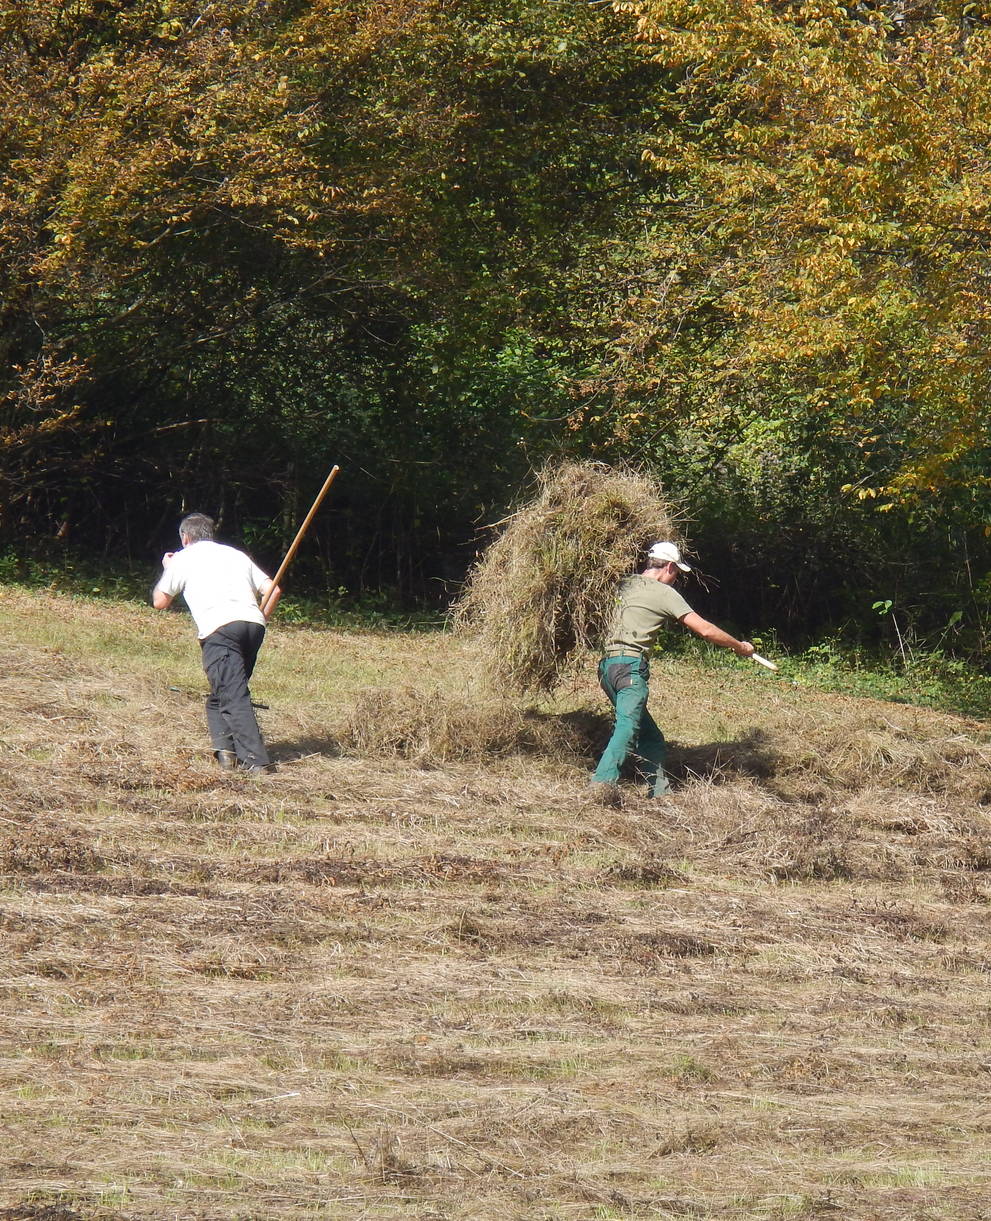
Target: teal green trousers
(625,681)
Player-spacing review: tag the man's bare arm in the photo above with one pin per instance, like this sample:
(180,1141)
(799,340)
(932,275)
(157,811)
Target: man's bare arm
(715,635)
(160,600)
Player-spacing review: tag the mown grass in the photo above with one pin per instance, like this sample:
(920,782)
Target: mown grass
(408,978)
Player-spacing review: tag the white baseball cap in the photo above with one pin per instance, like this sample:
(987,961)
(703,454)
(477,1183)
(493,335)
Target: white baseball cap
(669,554)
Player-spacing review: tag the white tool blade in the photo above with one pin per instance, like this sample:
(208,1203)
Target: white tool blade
(762,661)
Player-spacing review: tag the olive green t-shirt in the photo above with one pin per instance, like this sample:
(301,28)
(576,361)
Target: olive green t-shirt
(643,608)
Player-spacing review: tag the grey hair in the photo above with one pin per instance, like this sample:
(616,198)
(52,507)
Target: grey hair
(196,527)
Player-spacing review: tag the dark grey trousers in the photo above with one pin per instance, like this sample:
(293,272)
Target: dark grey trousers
(229,656)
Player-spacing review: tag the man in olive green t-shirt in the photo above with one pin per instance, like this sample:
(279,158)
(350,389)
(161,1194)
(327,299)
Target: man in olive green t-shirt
(647,602)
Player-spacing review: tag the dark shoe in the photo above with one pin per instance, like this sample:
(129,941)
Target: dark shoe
(604,793)
(226,758)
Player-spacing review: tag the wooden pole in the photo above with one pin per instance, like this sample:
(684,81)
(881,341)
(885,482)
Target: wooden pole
(301,531)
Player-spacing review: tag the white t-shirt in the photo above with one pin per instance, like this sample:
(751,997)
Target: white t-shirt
(220,584)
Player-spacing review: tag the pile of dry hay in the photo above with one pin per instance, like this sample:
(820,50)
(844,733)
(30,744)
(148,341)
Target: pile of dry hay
(432,729)
(543,592)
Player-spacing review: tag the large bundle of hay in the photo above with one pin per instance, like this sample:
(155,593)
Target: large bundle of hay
(544,590)
(434,728)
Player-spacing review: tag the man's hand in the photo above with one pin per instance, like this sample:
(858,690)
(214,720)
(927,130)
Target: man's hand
(746,649)
(268,598)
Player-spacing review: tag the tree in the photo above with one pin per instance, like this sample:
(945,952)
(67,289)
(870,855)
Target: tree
(809,303)
(827,169)
(243,240)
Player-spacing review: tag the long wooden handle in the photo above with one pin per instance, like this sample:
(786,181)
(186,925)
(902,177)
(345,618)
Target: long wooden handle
(299,534)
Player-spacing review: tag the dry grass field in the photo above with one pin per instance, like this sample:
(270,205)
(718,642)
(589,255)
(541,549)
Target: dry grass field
(416,974)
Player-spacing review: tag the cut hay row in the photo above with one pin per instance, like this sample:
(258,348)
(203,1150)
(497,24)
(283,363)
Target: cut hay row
(542,594)
(789,755)
(431,728)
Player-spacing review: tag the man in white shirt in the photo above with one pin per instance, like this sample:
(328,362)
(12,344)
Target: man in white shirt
(223,588)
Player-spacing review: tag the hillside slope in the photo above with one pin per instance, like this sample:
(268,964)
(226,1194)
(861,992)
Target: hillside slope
(446,986)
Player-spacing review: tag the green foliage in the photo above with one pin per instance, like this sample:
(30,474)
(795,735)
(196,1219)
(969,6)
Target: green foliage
(246,241)
(929,677)
(82,577)
(829,222)
(932,678)
(800,343)
(438,243)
